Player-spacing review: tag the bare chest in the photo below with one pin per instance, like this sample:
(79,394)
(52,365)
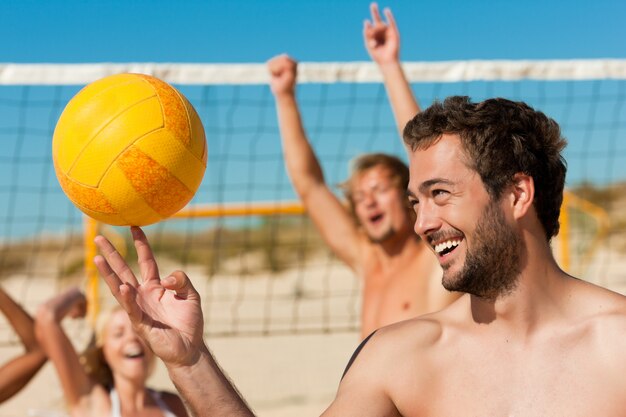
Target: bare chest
(396,294)
(493,382)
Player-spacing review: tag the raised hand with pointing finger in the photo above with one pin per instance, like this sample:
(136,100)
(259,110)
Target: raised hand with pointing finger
(382,39)
(167,315)
(165,312)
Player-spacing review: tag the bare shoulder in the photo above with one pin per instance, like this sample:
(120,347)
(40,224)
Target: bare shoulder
(410,341)
(431,330)
(599,311)
(396,361)
(591,299)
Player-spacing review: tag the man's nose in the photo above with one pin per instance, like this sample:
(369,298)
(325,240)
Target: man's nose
(426,220)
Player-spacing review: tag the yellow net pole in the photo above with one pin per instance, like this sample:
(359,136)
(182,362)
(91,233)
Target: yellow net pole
(91,229)
(564,232)
(600,216)
(241,209)
(572,201)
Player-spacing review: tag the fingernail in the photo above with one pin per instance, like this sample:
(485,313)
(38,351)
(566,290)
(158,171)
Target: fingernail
(168,280)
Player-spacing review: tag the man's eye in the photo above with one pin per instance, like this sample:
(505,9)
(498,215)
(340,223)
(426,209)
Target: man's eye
(437,193)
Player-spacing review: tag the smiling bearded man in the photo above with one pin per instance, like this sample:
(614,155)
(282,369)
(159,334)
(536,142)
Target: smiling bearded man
(486,183)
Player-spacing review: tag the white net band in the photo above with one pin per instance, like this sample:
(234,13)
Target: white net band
(311,72)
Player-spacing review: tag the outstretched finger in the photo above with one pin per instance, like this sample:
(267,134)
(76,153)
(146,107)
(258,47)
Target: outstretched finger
(375,13)
(115,261)
(124,293)
(109,276)
(147,264)
(391,21)
(128,301)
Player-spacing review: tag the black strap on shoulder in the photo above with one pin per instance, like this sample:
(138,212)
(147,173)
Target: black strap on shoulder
(356,353)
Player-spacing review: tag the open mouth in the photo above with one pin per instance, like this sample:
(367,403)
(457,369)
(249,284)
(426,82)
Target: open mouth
(376,218)
(447,246)
(134,354)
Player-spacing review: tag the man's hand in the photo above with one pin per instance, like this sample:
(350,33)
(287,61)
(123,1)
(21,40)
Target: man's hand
(283,72)
(382,40)
(166,313)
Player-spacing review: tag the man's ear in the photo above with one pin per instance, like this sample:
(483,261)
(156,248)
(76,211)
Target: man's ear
(523,194)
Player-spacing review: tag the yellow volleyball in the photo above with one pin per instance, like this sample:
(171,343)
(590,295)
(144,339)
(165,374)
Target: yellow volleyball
(129,149)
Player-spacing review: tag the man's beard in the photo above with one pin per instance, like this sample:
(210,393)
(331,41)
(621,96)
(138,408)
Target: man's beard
(492,266)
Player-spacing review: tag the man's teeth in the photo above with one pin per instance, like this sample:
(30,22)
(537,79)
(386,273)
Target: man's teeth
(448,244)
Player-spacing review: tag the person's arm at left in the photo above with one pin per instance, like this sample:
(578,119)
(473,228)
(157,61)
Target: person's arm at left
(16,373)
(166,314)
(382,41)
(334,223)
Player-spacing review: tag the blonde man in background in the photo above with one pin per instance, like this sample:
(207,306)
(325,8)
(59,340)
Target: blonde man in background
(401,278)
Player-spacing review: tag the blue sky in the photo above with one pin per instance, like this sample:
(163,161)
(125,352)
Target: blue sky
(321,30)
(245,162)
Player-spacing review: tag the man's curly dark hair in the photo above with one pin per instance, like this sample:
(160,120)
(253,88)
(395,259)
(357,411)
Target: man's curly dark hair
(501,138)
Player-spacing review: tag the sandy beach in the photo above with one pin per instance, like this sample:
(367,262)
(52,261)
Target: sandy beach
(280,375)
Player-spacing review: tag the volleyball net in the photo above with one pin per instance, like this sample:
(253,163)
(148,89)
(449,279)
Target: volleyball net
(259,264)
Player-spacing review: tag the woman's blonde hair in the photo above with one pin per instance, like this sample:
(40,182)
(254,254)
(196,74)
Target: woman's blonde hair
(92,358)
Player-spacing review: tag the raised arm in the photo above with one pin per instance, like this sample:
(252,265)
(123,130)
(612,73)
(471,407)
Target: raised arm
(166,314)
(17,372)
(382,41)
(74,380)
(331,218)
